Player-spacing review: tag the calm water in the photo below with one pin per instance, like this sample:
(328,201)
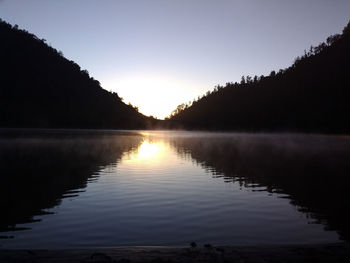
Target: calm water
(75,189)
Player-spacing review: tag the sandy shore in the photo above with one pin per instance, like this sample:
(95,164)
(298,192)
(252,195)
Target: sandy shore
(339,252)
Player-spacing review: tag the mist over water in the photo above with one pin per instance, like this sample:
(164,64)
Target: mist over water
(64,189)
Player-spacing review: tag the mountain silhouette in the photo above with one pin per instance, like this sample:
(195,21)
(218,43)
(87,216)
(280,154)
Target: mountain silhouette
(41,88)
(312,95)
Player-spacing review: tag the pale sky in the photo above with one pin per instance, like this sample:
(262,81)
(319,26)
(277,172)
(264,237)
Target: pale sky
(157,54)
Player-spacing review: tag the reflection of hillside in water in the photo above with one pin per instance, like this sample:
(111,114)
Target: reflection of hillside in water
(314,171)
(38,170)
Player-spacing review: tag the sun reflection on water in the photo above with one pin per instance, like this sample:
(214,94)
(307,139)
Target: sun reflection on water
(148,152)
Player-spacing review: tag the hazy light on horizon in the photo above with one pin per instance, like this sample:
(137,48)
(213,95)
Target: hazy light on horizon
(155,95)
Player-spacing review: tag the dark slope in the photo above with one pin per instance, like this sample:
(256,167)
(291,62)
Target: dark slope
(312,95)
(41,88)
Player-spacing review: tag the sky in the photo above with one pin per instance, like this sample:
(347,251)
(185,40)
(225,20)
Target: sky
(157,54)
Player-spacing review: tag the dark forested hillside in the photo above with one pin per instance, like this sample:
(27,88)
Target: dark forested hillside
(312,95)
(41,88)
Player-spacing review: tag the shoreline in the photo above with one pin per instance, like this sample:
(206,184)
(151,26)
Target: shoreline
(335,252)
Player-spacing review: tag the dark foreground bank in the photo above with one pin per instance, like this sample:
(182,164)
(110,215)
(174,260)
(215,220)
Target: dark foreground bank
(339,252)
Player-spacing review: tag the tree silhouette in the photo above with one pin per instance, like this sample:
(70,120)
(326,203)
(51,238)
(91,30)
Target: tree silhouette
(41,88)
(312,95)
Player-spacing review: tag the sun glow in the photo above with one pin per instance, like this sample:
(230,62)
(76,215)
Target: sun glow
(152,94)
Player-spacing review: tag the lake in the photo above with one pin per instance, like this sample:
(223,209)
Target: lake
(80,189)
